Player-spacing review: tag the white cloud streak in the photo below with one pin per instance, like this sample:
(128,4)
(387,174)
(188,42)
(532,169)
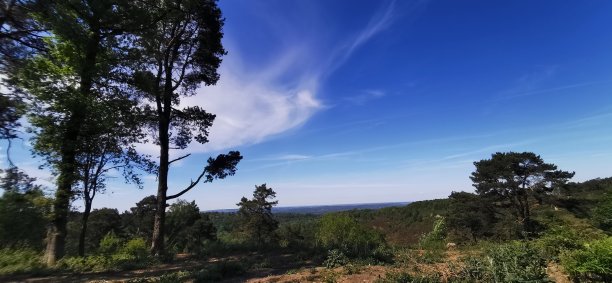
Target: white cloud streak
(255,103)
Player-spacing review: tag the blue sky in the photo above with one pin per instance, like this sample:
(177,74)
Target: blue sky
(379,101)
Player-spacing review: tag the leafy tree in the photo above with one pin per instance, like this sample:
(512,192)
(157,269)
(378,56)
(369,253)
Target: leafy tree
(256,218)
(86,50)
(102,221)
(23,210)
(180,52)
(339,231)
(602,214)
(20,38)
(109,137)
(20,33)
(138,222)
(187,228)
(517,181)
(470,217)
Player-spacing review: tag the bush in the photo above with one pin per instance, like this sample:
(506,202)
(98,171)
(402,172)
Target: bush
(335,258)
(14,261)
(344,233)
(517,262)
(403,277)
(557,239)
(591,263)
(432,243)
(94,263)
(135,250)
(114,256)
(218,271)
(476,270)
(602,214)
(110,244)
(512,262)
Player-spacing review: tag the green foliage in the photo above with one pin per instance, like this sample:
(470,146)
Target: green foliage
(219,271)
(255,215)
(404,277)
(180,276)
(298,234)
(591,263)
(516,181)
(476,270)
(138,222)
(403,225)
(187,229)
(470,218)
(432,243)
(23,210)
(437,235)
(512,262)
(101,222)
(110,244)
(20,260)
(337,231)
(94,263)
(602,213)
(557,239)
(115,254)
(335,258)
(136,250)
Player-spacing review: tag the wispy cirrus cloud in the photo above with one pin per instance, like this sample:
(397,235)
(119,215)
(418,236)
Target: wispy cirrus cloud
(254,102)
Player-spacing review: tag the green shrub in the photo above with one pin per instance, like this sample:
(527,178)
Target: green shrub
(94,263)
(591,263)
(337,231)
(512,262)
(602,214)
(475,270)
(517,262)
(404,277)
(219,271)
(335,258)
(136,247)
(432,243)
(114,256)
(110,244)
(558,239)
(14,261)
(180,276)
(383,254)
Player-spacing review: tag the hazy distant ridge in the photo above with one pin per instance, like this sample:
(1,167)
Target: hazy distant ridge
(320,209)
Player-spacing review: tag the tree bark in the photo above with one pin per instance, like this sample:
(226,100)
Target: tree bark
(86,214)
(157,243)
(56,234)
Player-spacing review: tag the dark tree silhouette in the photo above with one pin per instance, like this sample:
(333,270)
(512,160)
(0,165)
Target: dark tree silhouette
(181,51)
(109,136)
(23,208)
(80,70)
(517,180)
(20,38)
(256,218)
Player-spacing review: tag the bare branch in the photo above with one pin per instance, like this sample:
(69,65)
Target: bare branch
(193,184)
(184,156)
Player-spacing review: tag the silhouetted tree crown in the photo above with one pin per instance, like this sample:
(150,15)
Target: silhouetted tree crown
(517,180)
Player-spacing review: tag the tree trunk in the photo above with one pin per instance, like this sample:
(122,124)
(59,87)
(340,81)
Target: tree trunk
(157,243)
(56,235)
(84,228)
